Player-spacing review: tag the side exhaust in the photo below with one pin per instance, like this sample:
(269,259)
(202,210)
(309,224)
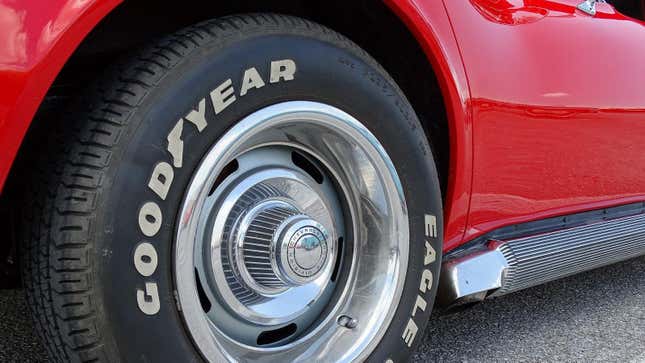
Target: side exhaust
(495,267)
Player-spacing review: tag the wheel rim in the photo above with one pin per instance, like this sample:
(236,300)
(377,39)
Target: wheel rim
(292,240)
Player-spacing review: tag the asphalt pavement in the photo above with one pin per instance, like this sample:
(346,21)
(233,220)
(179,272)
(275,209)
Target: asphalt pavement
(598,316)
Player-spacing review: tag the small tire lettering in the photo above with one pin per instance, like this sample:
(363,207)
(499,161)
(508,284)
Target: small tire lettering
(148,300)
(161,179)
(150,219)
(427,279)
(410,332)
(145,259)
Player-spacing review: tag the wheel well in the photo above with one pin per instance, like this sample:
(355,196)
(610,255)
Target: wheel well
(369,23)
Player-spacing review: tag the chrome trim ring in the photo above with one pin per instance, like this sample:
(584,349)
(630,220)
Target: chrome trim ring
(337,247)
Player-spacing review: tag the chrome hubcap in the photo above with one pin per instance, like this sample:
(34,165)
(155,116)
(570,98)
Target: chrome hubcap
(292,239)
(281,247)
(258,260)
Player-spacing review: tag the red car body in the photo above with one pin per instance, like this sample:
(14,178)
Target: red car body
(531,136)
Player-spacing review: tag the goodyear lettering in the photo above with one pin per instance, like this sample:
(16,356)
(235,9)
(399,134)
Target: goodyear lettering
(150,214)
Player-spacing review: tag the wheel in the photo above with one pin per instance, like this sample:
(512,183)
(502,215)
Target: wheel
(253,188)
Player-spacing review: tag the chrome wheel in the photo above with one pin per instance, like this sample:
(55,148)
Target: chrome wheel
(292,240)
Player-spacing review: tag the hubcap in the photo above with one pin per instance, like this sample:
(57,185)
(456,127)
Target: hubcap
(247,264)
(293,239)
(281,247)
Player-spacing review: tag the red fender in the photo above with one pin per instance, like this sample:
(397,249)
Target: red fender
(429,22)
(35,42)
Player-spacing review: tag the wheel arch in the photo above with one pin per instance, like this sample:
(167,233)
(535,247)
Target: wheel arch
(414,42)
(430,24)
(40,40)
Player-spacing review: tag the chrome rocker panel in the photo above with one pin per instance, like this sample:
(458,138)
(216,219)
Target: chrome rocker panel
(495,267)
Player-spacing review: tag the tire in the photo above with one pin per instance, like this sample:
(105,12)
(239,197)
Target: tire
(105,251)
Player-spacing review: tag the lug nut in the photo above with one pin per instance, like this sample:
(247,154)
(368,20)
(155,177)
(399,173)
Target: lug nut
(347,322)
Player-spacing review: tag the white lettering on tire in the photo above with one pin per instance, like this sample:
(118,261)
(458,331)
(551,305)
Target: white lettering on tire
(161,179)
(150,219)
(430,256)
(148,300)
(176,144)
(251,80)
(410,332)
(150,216)
(198,116)
(223,96)
(283,69)
(426,281)
(145,259)
(431,225)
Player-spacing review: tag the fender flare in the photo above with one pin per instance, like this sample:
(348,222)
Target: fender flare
(40,39)
(430,24)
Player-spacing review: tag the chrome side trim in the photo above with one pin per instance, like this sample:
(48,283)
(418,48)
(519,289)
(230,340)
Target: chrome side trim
(499,267)
(589,6)
(463,280)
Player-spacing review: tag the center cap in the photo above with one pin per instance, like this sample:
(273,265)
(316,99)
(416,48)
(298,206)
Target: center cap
(306,250)
(278,247)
